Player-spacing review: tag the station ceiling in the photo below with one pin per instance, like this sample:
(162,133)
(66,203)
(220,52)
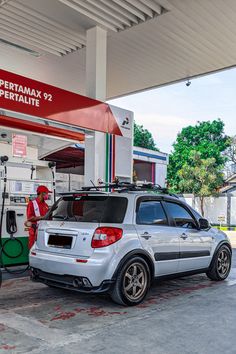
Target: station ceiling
(150,42)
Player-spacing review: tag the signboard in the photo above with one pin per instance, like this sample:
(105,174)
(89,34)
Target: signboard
(19,145)
(22,95)
(221,218)
(124,119)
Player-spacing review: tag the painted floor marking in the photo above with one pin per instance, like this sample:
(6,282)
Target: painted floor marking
(231,282)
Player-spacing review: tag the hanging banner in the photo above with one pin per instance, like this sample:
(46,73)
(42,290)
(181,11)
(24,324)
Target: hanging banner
(19,145)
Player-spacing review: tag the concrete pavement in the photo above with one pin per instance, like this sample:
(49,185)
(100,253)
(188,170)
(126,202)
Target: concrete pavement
(186,315)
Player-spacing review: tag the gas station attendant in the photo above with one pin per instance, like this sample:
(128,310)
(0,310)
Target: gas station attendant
(36,210)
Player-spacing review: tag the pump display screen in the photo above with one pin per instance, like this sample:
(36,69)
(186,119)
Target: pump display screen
(18,186)
(22,187)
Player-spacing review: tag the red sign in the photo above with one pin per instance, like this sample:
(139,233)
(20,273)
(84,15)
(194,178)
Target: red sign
(19,145)
(31,97)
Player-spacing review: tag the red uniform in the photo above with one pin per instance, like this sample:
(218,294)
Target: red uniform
(43,209)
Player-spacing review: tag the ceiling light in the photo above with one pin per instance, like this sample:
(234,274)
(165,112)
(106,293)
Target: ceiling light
(17,46)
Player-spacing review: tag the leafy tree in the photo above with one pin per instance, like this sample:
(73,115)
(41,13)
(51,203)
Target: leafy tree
(230,155)
(207,138)
(143,138)
(202,177)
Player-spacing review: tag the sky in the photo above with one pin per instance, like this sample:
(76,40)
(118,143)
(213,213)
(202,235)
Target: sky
(166,110)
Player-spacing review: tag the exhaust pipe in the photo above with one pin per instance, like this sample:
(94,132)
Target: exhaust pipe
(34,273)
(77,283)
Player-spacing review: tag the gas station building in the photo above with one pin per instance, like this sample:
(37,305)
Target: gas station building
(62,60)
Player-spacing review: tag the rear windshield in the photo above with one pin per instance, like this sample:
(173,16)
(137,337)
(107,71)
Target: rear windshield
(102,209)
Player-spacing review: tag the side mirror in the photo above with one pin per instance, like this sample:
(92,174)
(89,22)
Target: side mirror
(204,224)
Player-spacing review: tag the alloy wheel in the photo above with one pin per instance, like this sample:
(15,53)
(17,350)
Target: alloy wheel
(135,281)
(223,263)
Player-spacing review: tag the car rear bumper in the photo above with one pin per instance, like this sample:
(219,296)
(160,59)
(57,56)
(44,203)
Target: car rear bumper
(80,284)
(95,269)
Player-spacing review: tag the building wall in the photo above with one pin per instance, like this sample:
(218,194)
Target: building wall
(160,159)
(215,207)
(161,174)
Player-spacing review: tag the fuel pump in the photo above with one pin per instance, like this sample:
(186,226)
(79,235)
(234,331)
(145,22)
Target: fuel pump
(11,227)
(16,190)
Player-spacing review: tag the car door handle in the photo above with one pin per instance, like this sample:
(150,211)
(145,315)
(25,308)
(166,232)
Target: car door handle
(184,236)
(146,235)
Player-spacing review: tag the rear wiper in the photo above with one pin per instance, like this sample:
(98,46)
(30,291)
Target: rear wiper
(61,217)
(75,217)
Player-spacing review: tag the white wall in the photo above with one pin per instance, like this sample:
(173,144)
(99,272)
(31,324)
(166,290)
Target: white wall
(68,182)
(161,174)
(213,207)
(233,210)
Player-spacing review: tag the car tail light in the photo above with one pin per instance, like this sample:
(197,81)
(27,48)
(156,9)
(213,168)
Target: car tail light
(105,236)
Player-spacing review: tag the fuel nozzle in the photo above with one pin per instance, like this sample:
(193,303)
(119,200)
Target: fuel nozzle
(4,159)
(51,164)
(32,172)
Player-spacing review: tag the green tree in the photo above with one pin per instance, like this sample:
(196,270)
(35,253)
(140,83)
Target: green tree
(207,138)
(230,152)
(202,177)
(230,156)
(143,138)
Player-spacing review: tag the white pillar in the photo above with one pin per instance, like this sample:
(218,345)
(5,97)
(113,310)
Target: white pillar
(96,63)
(96,66)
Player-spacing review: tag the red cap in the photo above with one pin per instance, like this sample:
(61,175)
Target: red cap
(43,189)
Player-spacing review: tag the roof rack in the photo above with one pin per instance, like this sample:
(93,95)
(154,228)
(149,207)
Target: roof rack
(122,187)
(109,186)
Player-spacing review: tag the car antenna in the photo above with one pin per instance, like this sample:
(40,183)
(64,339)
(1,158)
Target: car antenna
(94,185)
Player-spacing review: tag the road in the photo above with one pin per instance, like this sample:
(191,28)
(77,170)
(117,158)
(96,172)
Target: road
(186,315)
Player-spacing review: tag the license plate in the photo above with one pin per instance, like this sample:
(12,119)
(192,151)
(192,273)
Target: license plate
(60,241)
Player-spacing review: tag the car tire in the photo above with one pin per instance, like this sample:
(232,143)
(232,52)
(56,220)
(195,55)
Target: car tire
(132,282)
(221,264)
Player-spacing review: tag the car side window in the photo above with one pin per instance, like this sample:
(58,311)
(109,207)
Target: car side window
(151,212)
(180,215)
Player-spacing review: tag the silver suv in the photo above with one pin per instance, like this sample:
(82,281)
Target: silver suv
(119,241)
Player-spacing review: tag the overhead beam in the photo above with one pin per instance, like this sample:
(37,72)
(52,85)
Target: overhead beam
(37,37)
(121,10)
(153,5)
(44,27)
(39,16)
(27,37)
(95,11)
(48,35)
(110,12)
(15,37)
(88,14)
(131,9)
(166,4)
(142,7)
(3,2)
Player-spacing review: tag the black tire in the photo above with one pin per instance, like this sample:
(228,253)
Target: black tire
(128,282)
(221,264)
